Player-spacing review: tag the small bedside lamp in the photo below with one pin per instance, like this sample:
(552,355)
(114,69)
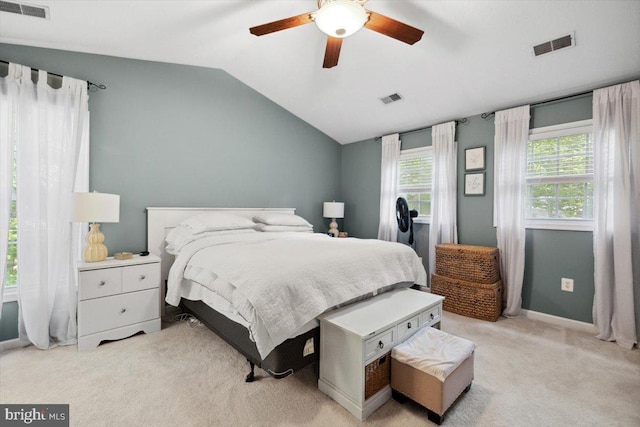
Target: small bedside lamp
(333,210)
(95,207)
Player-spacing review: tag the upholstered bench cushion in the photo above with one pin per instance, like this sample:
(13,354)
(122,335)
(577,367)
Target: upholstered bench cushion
(434,352)
(432,368)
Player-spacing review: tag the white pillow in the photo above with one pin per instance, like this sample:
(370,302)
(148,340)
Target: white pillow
(299,228)
(216,221)
(181,236)
(275,218)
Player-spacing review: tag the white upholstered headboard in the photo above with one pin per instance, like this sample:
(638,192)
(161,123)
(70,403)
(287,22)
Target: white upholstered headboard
(161,220)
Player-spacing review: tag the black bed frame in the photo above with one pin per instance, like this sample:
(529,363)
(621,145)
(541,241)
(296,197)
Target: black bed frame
(285,359)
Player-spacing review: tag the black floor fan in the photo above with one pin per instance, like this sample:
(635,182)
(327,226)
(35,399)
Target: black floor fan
(405,217)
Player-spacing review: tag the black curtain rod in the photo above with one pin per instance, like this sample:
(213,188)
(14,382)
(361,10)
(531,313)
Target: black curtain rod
(89,84)
(459,121)
(548,101)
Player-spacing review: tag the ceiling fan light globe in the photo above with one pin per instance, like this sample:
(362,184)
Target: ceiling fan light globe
(340,18)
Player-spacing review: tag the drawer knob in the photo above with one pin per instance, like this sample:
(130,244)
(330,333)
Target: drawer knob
(408,325)
(380,344)
(123,310)
(432,316)
(102,283)
(142,277)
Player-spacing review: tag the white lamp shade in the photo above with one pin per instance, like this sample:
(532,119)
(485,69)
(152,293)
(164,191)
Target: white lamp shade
(333,210)
(96,207)
(340,18)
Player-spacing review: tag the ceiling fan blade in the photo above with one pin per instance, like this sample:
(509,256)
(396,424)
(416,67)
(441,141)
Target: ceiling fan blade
(332,52)
(282,24)
(392,28)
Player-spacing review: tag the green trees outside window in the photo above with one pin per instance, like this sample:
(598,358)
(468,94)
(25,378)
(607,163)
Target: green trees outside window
(420,202)
(415,170)
(560,177)
(12,247)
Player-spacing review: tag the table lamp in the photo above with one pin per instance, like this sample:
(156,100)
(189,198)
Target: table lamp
(94,208)
(333,210)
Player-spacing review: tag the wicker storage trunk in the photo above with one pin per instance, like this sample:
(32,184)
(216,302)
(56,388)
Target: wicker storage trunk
(479,264)
(478,300)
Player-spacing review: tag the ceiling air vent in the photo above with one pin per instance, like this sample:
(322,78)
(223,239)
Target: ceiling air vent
(553,45)
(391,98)
(25,9)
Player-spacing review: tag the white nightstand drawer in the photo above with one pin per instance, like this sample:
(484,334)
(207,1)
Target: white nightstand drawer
(408,327)
(139,277)
(379,344)
(99,283)
(431,317)
(117,310)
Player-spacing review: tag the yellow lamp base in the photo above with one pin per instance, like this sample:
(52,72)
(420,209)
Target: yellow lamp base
(333,227)
(95,250)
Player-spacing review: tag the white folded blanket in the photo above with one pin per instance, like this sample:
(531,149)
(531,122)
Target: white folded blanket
(434,352)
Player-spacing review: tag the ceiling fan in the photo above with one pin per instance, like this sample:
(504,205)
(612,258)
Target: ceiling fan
(339,19)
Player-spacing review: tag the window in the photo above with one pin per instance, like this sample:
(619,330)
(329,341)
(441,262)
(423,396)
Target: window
(10,293)
(559,177)
(414,180)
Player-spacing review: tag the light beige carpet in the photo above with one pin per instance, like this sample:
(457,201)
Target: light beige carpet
(527,373)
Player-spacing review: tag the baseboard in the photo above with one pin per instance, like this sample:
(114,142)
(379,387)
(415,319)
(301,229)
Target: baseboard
(10,344)
(561,321)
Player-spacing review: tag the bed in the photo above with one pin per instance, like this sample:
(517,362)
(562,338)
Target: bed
(261,291)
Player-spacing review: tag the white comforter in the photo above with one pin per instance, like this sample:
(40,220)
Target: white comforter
(280,281)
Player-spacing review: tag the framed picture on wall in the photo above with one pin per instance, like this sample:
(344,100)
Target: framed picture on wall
(474,184)
(474,158)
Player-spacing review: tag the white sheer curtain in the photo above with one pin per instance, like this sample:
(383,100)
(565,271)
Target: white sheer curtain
(388,226)
(616,234)
(8,112)
(511,136)
(52,132)
(444,195)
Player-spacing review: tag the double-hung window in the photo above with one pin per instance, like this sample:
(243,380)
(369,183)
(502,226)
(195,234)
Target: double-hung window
(559,177)
(10,290)
(414,180)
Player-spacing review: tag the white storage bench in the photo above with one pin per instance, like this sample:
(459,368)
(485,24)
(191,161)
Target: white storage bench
(432,368)
(356,342)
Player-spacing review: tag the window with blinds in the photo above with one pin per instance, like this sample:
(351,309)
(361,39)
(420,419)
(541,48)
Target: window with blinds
(559,177)
(414,179)
(11,272)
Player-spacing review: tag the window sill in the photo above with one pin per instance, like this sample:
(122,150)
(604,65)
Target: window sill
(567,225)
(422,220)
(10,294)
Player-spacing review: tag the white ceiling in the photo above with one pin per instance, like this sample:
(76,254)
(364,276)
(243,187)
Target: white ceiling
(474,57)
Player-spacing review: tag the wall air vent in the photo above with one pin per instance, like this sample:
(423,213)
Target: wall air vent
(25,9)
(552,45)
(391,98)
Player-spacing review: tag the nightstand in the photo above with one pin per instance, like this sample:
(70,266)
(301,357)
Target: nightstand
(117,298)
(356,341)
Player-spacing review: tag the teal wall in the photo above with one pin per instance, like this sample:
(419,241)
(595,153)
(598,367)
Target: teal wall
(9,321)
(175,135)
(549,254)
(361,188)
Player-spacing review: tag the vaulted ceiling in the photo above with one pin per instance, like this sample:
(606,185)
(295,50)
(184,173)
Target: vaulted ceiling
(475,56)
